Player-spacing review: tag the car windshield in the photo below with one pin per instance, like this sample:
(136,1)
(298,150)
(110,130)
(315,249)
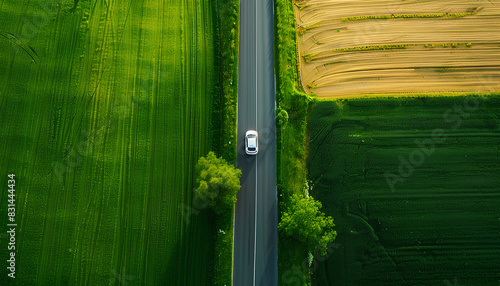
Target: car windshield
(252,142)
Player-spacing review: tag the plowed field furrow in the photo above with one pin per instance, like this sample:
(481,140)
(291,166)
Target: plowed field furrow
(471,65)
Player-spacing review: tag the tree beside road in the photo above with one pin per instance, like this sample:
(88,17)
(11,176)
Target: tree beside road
(304,221)
(217,183)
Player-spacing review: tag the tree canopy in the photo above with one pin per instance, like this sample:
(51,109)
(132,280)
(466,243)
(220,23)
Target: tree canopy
(217,183)
(281,118)
(304,221)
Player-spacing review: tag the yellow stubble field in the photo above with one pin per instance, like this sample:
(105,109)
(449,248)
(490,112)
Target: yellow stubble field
(353,48)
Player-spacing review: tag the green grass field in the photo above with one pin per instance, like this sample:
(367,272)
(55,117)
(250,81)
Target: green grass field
(413,185)
(104,112)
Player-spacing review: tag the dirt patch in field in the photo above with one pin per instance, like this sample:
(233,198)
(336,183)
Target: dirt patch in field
(455,48)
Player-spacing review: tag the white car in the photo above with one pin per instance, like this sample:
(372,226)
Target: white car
(251,142)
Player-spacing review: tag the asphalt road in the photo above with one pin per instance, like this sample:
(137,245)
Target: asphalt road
(256,214)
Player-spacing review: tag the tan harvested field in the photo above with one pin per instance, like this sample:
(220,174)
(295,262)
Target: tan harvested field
(472,65)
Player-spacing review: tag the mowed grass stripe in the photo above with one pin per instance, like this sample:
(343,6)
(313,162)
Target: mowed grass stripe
(197,88)
(116,211)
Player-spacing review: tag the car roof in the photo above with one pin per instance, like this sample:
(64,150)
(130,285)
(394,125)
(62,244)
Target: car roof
(252,142)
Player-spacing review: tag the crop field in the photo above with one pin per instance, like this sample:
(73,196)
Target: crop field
(414,187)
(348,48)
(104,112)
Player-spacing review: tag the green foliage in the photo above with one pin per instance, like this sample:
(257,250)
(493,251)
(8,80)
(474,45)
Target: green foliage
(224,107)
(281,118)
(368,48)
(224,121)
(217,183)
(224,252)
(290,98)
(304,221)
(290,152)
(447,45)
(407,16)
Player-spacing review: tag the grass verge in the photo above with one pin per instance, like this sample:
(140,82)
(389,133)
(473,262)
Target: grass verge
(227,62)
(224,123)
(291,133)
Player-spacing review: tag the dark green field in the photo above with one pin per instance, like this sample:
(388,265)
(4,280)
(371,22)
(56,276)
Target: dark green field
(104,112)
(414,187)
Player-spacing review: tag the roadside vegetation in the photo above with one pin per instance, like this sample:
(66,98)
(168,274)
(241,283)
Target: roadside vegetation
(217,184)
(412,183)
(224,106)
(304,221)
(106,108)
(293,105)
(224,123)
